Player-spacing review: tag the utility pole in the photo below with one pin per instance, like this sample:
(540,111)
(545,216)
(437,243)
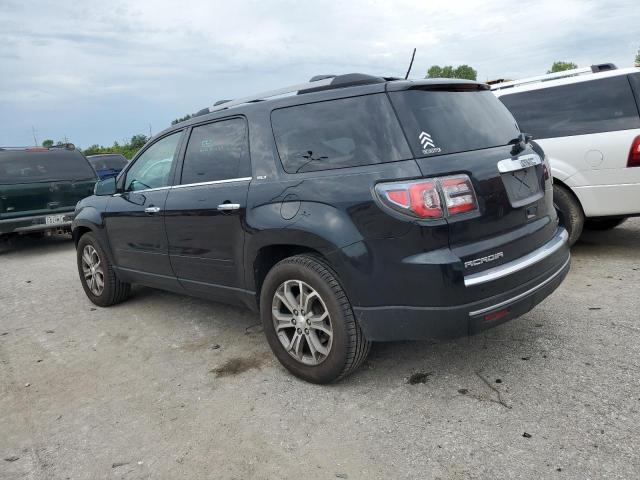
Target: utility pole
(149,130)
(33,132)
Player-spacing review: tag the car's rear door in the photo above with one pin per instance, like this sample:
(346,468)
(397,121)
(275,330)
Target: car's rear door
(205,210)
(135,217)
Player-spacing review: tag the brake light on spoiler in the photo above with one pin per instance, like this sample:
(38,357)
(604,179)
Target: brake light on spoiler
(430,198)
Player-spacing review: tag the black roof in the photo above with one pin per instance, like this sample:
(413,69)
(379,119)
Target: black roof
(347,85)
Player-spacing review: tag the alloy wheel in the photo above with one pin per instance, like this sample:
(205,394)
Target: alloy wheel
(302,322)
(92,270)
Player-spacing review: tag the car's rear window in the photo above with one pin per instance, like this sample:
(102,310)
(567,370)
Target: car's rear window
(338,133)
(23,166)
(108,162)
(439,122)
(583,108)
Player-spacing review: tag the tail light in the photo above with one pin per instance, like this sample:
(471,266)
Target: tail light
(634,154)
(430,198)
(546,168)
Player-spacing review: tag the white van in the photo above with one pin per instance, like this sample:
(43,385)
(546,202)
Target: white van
(588,124)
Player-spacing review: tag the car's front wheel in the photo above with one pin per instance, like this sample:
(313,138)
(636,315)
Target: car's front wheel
(97,274)
(308,320)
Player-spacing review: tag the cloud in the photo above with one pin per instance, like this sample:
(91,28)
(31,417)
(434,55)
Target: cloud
(121,65)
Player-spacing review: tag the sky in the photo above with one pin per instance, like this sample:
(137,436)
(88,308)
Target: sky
(99,71)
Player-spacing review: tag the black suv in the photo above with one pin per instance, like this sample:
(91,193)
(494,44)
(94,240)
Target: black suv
(354,209)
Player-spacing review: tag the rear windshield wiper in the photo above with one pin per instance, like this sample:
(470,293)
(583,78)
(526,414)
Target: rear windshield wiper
(519,143)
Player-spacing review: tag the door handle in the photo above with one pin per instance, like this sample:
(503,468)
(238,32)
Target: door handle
(227,207)
(151,210)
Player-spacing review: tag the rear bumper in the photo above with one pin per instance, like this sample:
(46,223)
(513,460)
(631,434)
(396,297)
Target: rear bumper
(36,223)
(389,323)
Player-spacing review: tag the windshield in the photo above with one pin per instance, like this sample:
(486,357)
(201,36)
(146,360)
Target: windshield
(108,162)
(441,122)
(23,166)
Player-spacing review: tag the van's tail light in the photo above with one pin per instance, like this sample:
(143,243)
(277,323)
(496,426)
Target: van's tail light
(634,154)
(430,198)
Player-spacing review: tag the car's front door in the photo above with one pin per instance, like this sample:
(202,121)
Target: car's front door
(135,217)
(205,210)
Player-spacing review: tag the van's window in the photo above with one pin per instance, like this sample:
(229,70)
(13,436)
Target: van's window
(441,122)
(634,79)
(217,151)
(24,166)
(580,108)
(338,133)
(108,162)
(152,168)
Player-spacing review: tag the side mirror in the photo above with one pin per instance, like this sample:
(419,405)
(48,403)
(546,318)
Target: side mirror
(106,187)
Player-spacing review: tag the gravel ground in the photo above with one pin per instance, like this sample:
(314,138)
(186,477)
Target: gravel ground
(165,386)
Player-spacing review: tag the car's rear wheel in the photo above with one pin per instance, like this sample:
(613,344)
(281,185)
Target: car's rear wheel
(308,320)
(603,223)
(569,207)
(97,275)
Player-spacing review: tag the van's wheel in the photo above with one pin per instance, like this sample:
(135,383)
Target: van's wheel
(570,210)
(6,242)
(603,223)
(97,275)
(308,320)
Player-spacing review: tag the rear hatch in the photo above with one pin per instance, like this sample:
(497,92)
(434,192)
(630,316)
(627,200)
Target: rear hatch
(463,129)
(42,181)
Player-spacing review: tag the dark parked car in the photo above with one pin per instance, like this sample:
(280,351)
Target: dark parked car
(107,165)
(39,188)
(359,209)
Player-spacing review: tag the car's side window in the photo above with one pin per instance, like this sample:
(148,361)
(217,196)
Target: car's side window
(152,168)
(217,151)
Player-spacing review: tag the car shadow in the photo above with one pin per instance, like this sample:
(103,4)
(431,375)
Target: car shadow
(34,245)
(621,241)
(503,348)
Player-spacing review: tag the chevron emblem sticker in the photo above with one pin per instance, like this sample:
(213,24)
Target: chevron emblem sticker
(428,144)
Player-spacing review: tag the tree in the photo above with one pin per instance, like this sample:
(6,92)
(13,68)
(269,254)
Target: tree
(434,72)
(462,71)
(47,143)
(466,72)
(638,58)
(127,149)
(562,66)
(182,119)
(138,141)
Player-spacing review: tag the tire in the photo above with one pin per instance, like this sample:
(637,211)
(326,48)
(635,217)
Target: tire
(344,350)
(602,224)
(569,207)
(6,242)
(113,290)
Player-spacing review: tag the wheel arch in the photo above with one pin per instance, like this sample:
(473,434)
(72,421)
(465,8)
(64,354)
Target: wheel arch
(269,255)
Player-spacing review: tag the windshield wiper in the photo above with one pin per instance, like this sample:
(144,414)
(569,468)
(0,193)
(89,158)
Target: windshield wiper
(519,143)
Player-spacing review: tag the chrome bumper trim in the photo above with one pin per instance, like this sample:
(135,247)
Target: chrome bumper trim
(523,294)
(549,248)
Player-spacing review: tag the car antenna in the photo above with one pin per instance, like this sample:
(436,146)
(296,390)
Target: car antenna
(410,64)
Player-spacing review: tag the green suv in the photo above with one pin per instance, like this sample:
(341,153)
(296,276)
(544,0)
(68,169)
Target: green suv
(39,188)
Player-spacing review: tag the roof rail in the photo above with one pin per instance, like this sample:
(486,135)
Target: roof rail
(270,94)
(316,84)
(67,146)
(603,67)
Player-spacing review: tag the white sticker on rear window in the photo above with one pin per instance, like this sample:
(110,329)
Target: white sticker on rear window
(428,144)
